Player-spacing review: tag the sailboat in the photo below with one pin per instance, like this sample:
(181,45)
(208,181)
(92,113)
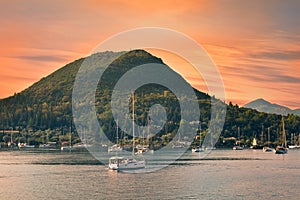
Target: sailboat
(239,147)
(293,144)
(25,145)
(83,145)
(198,149)
(116,147)
(283,148)
(144,147)
(46,144)
(179,143)
(268,148)
(68,148)
(129,163)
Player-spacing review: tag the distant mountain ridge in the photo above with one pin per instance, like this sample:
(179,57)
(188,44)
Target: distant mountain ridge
(262,105)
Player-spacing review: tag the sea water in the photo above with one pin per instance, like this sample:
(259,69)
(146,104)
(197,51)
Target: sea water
(223,174)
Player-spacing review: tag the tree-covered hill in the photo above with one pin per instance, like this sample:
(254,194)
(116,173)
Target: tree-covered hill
(46,106)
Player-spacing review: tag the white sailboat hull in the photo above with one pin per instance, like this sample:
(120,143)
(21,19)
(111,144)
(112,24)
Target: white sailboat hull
(132,165)
(268,149)
(197,150)
(115,148)
(237,148)
(120,163)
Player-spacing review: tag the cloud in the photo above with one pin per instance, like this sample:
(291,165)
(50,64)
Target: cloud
(15,78)
(47,58)
(278,55)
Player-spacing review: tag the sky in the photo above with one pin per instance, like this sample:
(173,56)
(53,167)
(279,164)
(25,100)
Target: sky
(255,44)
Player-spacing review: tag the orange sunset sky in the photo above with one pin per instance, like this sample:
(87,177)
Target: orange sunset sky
(255,44)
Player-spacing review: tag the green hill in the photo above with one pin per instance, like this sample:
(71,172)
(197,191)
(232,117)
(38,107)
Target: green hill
(46,107)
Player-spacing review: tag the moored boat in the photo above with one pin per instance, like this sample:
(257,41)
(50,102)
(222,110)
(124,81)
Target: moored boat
(116,147)
(128,163)
(25,146)
(283,148)
(237,148)
(199,148)
(268,149)
(121,163)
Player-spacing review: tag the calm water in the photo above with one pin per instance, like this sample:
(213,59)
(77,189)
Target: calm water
(225,174)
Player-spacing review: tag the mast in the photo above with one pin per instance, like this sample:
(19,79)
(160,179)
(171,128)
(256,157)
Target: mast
(148,131)
(70,142)
(200,135)
(239,137)
(11,140)
(268,136)
(133,143)
(117,134)
(27,138)
(262,134)
(283,140)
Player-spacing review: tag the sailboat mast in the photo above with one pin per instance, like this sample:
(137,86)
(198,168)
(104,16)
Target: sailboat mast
(283,141)
(70,143)
(200,135)
(117,131)
(268,136)
(148,131)
(239,136)
(133,143)
(262,134)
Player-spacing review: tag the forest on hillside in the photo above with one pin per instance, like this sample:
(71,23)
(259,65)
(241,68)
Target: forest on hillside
(44,110)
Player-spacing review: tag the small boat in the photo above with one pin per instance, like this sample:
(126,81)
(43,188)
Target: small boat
(282,149)
(141,149)
(268,149)
(25,146)
(293,141)
(238,147)
(116,147)
(199,148)
(294,146)
(255,145)
(179,144)
(68,148)
(44,146)
(81,146)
